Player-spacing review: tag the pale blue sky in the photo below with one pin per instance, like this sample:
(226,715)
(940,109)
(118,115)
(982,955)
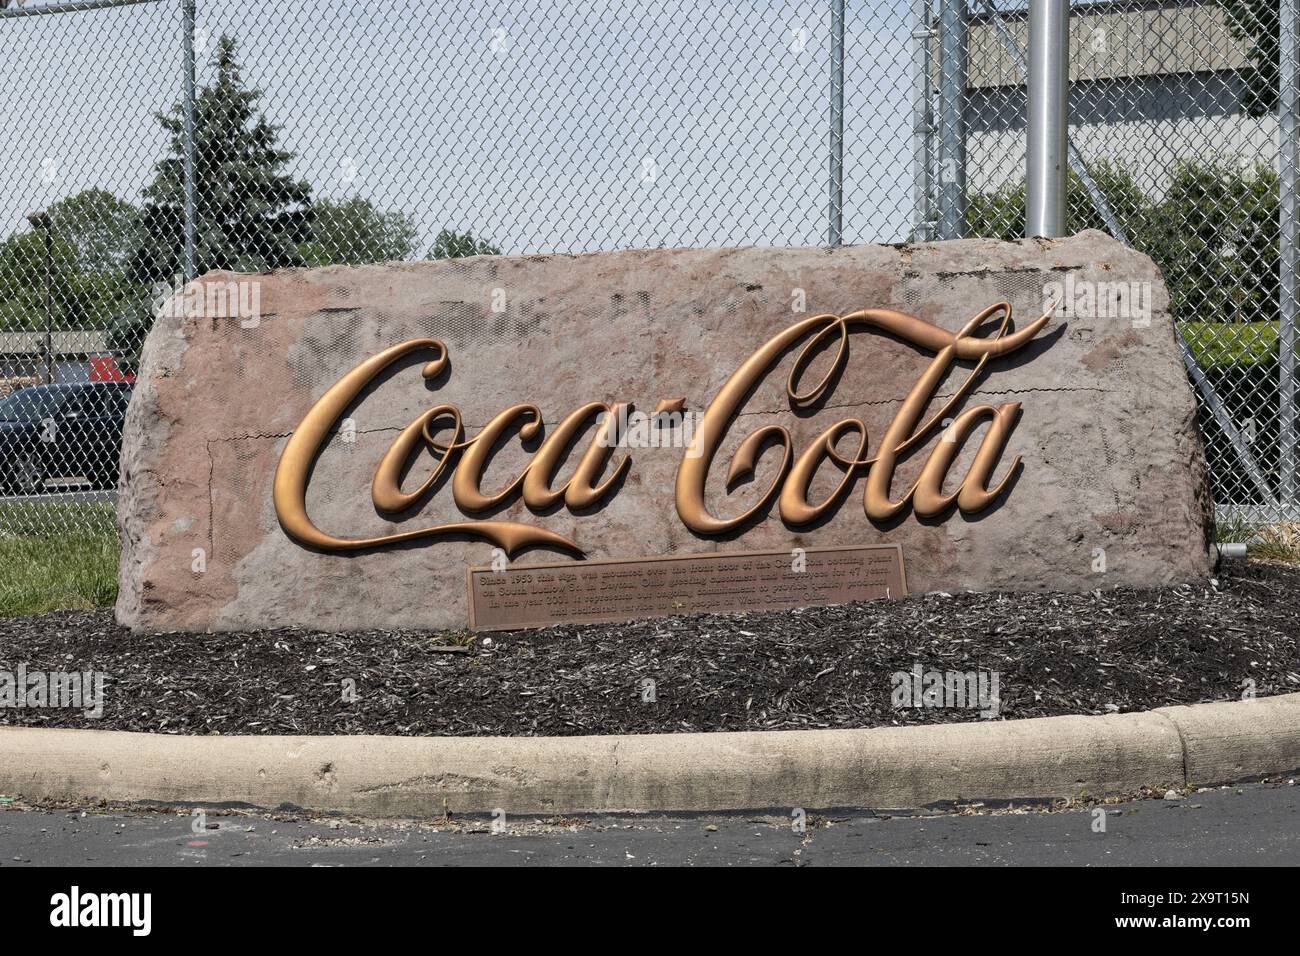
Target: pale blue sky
(534,124)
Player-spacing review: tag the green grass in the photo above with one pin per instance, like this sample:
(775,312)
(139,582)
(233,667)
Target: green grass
(1231,343)
(1267,542)
(57,518)
(48,573)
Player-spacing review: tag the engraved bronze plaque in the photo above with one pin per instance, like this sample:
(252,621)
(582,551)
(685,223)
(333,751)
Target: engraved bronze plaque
(588,592)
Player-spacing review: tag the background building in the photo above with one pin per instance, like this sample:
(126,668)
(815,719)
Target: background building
(1151,84)
(80,355)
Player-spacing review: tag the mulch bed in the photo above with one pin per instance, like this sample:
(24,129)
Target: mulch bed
(1107,651)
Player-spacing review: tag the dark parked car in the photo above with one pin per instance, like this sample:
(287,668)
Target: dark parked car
(71,431)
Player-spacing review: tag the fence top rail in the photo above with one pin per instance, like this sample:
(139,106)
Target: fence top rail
(66,6)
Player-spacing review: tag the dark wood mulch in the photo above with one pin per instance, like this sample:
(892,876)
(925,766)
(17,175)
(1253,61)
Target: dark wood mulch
(1115,650)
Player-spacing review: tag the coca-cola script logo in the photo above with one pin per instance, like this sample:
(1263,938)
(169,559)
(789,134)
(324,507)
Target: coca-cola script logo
(595,476)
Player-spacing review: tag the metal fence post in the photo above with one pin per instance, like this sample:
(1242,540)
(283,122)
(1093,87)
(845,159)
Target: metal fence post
(187,47)
(922,118)
(1289,154)
(952,118)
(49,299)
(835,234)
(1048,117)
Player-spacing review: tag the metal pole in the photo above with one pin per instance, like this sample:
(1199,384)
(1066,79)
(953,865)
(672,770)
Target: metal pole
(40,219)
(922,35)
(835,234)
(1287,105)
(952,118)
(1077,165)
(49,301)
(1049,71)
(187,48)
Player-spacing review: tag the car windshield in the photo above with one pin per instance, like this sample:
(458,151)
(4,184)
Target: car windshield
(32,404)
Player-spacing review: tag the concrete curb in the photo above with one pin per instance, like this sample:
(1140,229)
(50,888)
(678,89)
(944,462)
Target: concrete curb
(1048,757)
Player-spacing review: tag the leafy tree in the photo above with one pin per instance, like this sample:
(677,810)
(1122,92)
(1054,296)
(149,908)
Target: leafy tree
(250,214)
(1001,214)
(450,244)
(93,233)
(103,230)
(1255,24)
(1214,235)
(354,232)
(23,280)
(1215,238)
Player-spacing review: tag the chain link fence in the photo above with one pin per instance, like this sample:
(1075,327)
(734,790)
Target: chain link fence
(326,133)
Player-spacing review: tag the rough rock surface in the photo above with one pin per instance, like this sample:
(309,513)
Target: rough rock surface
(1112,489)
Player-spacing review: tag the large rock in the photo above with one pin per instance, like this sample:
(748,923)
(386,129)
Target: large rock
(1111,489)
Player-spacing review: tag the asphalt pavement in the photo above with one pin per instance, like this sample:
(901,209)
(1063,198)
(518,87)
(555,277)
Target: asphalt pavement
(1250,824)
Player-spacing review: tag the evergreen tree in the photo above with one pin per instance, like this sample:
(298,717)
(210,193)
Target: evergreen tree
(250,214)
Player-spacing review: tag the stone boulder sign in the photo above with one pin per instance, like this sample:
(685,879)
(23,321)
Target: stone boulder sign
(517,440)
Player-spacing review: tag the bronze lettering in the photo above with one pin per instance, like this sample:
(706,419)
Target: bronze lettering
(305,444)
(385,491)
(579,491)
(467,480)
(901,434)
(789,487)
